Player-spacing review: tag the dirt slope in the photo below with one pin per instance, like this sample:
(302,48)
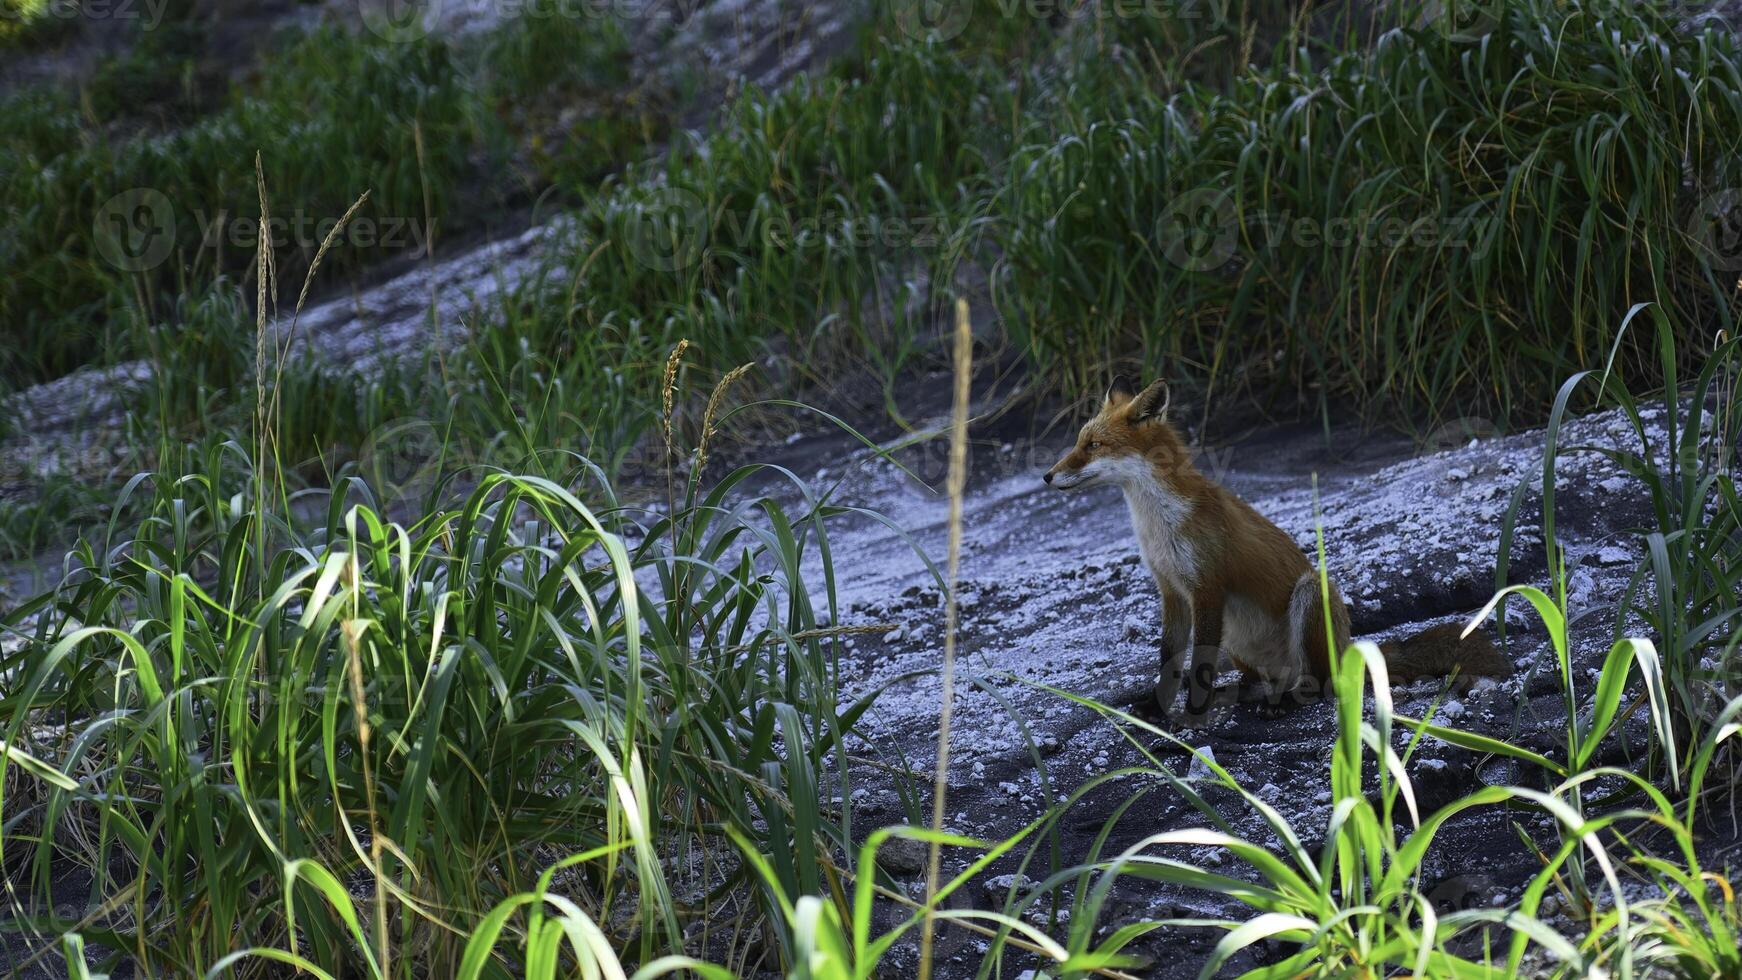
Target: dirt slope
(1053,593)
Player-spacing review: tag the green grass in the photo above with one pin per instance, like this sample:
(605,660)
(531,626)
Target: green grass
(30,24)
(32,526)
(1431,221)
(602,735)
(1685,588)
(410,123)
(330,115)
(363,133)
(431,711)
(494,701)
(1385,254)
(165,80)
(1077,142)
(791,234)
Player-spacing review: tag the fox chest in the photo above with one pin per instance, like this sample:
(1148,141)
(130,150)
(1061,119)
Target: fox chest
(1159,519)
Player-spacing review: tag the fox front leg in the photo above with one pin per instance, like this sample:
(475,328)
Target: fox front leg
(1176,642)
(1206,655)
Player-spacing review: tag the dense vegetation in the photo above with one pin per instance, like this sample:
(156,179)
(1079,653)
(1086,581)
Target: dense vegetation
(487,718)
(141,187)
(1384,248)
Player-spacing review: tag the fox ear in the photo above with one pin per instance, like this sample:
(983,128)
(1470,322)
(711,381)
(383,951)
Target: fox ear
(1151,402)
(1120,390)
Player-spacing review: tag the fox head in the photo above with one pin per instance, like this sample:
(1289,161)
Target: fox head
(1128,440)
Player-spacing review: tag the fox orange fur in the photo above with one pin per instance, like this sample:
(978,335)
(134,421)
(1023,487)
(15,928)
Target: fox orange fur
(1229,578)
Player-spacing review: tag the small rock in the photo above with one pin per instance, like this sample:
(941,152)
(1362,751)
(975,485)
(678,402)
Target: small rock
(902,855)
(1197,769)
(998,888)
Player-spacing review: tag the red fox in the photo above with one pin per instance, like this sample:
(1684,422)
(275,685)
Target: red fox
(1229,578)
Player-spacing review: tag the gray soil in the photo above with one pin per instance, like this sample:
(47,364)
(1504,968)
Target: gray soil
(71,427)
(1053,594)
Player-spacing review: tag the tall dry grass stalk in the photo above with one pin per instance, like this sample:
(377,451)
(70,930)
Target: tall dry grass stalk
(958,484)
(360,710)
(429,225)
(263,275)
(668,402)
(266,410)
(711,413)
(284,340)
(264,288)
(1722,436)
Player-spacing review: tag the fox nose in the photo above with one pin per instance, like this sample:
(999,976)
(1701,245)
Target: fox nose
(1048,477)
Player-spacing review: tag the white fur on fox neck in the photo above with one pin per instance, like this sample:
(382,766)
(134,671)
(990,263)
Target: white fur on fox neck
(1157,514)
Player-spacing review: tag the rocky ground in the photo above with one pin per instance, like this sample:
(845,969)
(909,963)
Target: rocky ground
(1053,595)
(730,42)
(71,426)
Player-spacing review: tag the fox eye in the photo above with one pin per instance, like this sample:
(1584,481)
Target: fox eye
(1094,446)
